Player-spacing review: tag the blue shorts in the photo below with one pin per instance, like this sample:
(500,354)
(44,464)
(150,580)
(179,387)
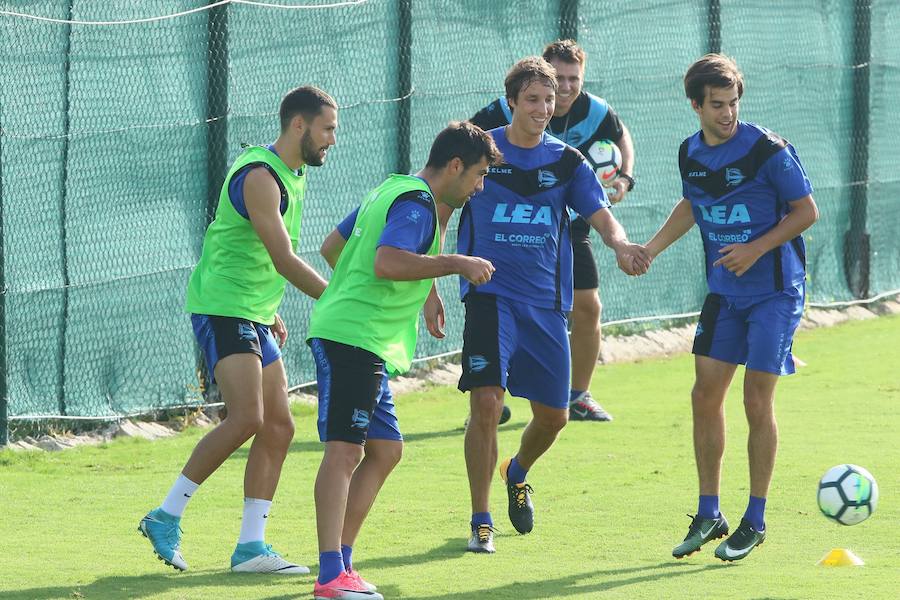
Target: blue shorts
(521,348)
(355,401)
(754,330)
(223,336)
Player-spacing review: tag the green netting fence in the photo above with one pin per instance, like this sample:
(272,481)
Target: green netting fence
(118,120)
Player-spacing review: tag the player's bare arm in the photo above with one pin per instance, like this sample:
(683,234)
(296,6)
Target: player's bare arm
(332,247)
(738,258)
(402,265)
(620,185)
(433,311)
(263,198)
(632,259)
(679,222)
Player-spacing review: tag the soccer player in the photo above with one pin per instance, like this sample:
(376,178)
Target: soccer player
(515,331)
(580,120)
(745,188)
(233,295)
(385,255)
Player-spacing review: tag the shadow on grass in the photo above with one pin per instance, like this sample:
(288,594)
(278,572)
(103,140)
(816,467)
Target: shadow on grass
(316,446)
(151,586)
(569,585)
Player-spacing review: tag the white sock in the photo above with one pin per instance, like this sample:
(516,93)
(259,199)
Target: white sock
(253,525)
(179,495)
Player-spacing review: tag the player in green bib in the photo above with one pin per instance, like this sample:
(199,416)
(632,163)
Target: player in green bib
(385,256)
(248,258)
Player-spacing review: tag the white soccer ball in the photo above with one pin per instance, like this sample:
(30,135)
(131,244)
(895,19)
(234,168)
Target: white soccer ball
(848,494)
(606,159)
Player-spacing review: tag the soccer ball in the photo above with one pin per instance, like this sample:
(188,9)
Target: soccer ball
(607,160)
(848,494)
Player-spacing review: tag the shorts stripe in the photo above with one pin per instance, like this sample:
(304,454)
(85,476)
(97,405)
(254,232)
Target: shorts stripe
(323,376)
(481,344)
(706,329)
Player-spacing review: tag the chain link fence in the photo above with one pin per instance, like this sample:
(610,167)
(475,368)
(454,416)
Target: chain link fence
(118,122)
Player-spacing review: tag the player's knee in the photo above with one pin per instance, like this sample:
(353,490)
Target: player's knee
(389,455)
(759,409)
(280,431)
(705,400)
(486,405)
(587,307)
(553,420)
(345,457)
(247,423)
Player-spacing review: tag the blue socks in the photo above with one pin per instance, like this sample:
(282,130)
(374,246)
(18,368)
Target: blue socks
(481,519)
(756,510)
(515,473)
(331,564)
(574,394)
(755,514)
(347,554)
(708,507)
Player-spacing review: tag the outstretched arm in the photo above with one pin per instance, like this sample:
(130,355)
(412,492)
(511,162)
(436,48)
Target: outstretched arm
(679,222)
(632,258)
(402,265)
(262,198)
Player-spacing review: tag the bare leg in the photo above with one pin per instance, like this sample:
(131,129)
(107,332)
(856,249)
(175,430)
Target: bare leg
(541,432)
(762,442)
(239,377)
(485,403)
(271,443)
(381,456)
(585,337)
(707,400)
(332,488)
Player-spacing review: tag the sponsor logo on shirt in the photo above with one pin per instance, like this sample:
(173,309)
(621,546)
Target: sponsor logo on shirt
(500,170)
(723,215)
(522,240)
(414,216)
(522,213)
(697,174)
(730,238)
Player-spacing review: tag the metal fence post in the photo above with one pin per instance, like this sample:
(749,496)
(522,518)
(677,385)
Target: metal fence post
(63,196)
(568,19)
(4,409)
(856,240)
(714,25)
(404,84)
(216,140)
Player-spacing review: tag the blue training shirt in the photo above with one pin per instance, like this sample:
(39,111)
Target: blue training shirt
(410,223)
(739,190)
(236,187)
(519,221)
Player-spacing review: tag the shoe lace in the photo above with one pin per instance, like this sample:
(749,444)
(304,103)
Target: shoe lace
(484,532)
(694,527)
(523,490)
(589,404)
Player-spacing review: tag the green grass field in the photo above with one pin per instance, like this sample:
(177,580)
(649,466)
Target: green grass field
(610,499)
